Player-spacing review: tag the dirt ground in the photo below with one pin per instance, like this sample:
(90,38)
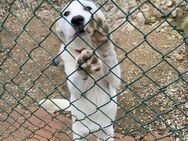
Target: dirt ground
(154,91)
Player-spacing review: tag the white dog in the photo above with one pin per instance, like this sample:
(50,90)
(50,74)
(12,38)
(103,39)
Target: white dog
(92,69)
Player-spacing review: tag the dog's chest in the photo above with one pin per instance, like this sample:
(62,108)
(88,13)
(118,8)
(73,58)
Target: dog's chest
(90,90)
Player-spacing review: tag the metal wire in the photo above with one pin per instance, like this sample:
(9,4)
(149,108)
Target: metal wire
(24,81)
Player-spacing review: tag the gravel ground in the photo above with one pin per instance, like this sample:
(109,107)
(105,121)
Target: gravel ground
(151,101)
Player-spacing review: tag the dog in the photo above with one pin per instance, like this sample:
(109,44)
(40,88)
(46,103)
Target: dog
(93,73)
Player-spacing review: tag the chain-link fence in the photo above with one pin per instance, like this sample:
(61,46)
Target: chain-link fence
(152,98)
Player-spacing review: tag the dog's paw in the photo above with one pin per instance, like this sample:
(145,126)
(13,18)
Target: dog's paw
(98,29)
(88,62)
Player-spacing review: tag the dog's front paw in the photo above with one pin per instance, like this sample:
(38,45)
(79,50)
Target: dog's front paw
(88,62)
(97,29)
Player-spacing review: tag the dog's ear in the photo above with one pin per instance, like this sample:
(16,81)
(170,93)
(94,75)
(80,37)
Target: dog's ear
(59,30)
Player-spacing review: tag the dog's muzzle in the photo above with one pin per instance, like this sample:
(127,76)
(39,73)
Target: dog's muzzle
(78,23)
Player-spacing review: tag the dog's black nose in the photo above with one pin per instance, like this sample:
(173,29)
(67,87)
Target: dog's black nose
(77,21)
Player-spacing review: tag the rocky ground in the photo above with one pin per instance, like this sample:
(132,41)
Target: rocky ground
(154,91)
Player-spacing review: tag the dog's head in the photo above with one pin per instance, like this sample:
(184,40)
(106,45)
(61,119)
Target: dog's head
(74,17)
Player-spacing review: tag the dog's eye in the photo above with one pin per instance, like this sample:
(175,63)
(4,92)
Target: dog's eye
(88,8)
(66,13)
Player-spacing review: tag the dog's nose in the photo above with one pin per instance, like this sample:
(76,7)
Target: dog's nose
(77,21)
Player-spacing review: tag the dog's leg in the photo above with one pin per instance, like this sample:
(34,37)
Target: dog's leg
(98,30)
(111,69)
(80,132)
(77,137)
(106,134)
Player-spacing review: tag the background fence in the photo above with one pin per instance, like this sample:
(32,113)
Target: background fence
(151,51)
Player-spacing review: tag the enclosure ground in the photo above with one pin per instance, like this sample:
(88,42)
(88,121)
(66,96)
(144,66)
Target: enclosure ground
(40,126)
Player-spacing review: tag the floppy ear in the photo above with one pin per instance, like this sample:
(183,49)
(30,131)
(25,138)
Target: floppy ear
(59,30)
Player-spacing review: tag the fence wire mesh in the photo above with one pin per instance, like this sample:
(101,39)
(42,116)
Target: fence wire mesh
(151,50)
